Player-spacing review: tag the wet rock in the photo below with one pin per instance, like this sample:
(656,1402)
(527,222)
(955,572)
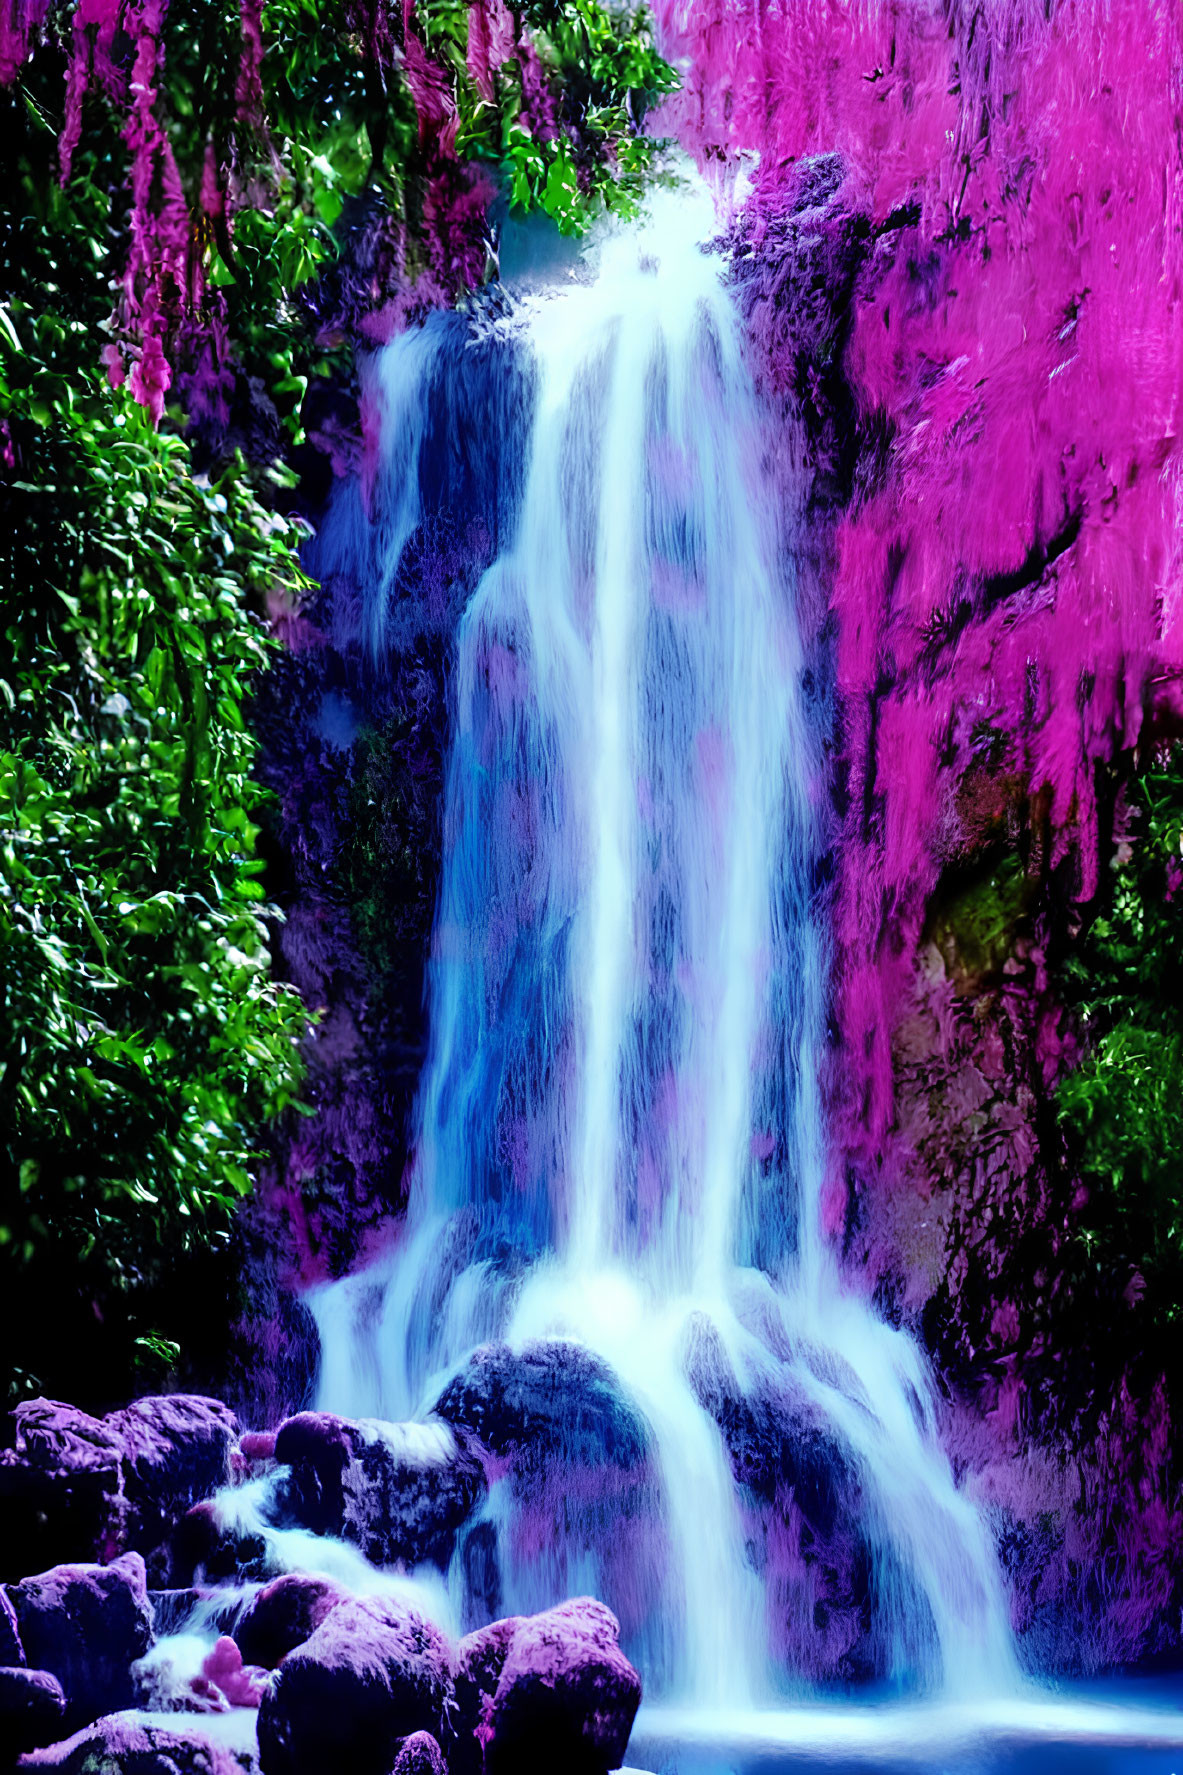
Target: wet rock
(175,1450)
(285,1613)
(207,1548)
(32,1708)
(11,1650)
(775,1440)
(551,1399)
(87,1624)
(371,1675)
(397,1491)
(550,1690)
(258,1445)
(74,1487)
(420,1755)
(59,1488)
(132,1744)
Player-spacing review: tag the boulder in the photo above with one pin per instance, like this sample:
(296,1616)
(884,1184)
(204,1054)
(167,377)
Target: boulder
(372,1674)
(776,1439)
(74,1487)
(32,1708)
(553,1398)
(59,1489)
(397,1491)
(550,1690)
(420,1754)
(283,1614)
(175,1450)
(88,1624)
(135,1744)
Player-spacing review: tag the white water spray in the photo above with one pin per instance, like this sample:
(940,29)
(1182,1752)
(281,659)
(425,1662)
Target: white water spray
(620,1103)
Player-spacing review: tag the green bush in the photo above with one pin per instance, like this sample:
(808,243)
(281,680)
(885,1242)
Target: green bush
(1122,1107)
(144,1044)
(143,1041)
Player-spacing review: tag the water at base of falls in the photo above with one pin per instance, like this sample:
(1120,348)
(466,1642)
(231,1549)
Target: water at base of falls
(619,1138)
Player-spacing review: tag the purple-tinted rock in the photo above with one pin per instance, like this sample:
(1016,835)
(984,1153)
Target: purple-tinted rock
(11,1650)
(285,1613)
(551,1399)
(32,1707)
(371,1675)
(397,1491)
(74,1487)
(59,1488)
(257,1445)
(420,1755)
(774,1440)
(88,1624)
(125,1744)
(176,1450)
(550,1690)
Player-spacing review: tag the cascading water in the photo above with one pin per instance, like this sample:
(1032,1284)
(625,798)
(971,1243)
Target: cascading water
(619,1137)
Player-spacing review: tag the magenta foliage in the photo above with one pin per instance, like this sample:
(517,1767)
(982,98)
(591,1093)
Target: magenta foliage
(1004,581)
(430,87)
(491,42)
(248,93)
(20,24)
(1015,564)
(94,27)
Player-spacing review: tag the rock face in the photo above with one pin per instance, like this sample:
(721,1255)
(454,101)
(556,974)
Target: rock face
(397,1491)
(87,1624)
(372,1674)
(74,1487)
(552,1690)
(32,1707)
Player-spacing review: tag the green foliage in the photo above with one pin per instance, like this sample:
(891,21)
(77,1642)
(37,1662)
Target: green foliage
(144,1045)
(607,74)
(143,1042)
(1122,1108)
(975,925)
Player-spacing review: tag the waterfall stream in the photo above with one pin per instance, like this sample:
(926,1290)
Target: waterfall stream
(619,1133)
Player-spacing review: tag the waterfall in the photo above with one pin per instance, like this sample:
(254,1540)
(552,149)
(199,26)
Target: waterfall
(619,1134)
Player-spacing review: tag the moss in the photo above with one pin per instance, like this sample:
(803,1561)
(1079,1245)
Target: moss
(975,921)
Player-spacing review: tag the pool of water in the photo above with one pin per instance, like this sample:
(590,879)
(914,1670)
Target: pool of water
(1131,1729)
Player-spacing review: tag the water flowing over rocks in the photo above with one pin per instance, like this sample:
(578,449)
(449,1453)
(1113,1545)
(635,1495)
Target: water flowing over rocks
(553,1397)
(340,1672)
(397,1491)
